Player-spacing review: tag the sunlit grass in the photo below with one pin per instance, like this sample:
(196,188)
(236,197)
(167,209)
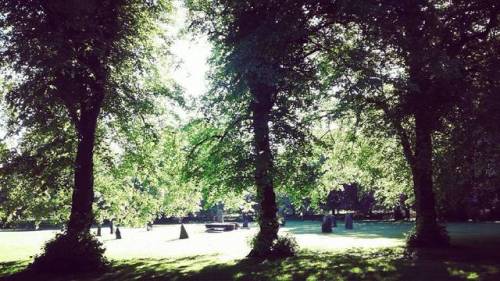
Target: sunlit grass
(360,264)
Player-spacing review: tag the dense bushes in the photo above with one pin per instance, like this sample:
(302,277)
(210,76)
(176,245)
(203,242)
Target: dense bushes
(284,246)
(70,253)
(435,238)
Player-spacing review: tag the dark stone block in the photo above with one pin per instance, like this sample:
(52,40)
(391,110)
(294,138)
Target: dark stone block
(118,233)
(184,234)
(348,221)
(326,226)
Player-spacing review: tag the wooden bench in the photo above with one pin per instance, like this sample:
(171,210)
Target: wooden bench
(222,226)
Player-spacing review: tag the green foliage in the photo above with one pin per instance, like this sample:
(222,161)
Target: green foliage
(71,254)
(50,46)
(143,181)
(35,180)
(219,162)
(352,154)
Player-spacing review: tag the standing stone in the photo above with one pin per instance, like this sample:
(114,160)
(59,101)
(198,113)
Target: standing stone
(348,221)
(326,226)
(245,221)
(334,221)
(118,233)
(398,213)
(281,220)
(220,215)
(184,234)
(407,213)
(111,226)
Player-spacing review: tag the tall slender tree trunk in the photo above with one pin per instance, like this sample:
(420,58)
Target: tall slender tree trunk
(266,197)
(81,217)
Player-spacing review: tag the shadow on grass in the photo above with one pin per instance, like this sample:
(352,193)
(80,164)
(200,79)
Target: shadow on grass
(357,264)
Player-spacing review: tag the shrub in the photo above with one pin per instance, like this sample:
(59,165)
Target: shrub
(432,237)
(284,246)
(71,254)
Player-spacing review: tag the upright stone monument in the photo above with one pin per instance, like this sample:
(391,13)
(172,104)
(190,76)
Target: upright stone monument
(118,233)
(281,219)
(245,221)
(184,234)
(348,221)
(220,215)
(326,226)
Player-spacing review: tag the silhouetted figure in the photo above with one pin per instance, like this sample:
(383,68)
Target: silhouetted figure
(184,234)
(118,233)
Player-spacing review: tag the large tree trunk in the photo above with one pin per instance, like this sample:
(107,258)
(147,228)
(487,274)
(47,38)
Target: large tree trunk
(266,197)
(81,217)
(428,231)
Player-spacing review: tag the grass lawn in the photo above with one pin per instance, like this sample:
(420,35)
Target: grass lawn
(372,251)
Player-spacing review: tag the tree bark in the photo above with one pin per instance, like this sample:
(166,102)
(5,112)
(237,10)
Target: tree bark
(81,217)
(428,232)
(268,222)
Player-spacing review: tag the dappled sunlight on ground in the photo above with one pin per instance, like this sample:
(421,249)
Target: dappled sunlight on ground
(163,241)
(361,264)
(368,252)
